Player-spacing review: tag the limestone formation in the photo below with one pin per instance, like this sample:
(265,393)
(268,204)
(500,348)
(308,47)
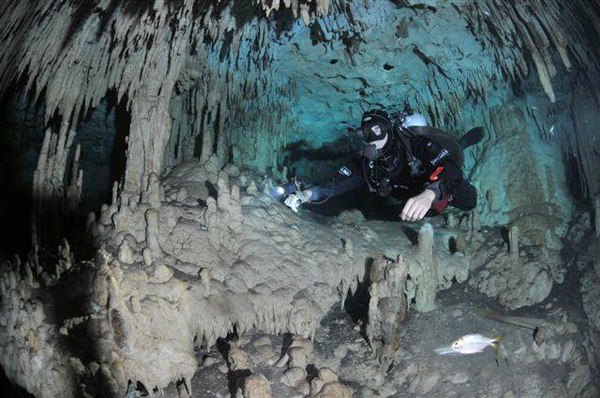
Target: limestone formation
(293,377)
(426,276)
(50,185)
(387,307)
(525,281)
(30,339)
(226,99)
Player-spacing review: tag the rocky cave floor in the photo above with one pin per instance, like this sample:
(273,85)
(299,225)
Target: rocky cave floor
(552,362)
(550,369)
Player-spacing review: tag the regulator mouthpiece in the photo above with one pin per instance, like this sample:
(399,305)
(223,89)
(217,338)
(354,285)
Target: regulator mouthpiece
(371,152)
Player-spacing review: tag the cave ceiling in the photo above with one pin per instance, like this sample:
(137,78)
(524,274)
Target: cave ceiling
(260,77)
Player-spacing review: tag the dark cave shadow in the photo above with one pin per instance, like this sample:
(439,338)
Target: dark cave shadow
(411,234)
(235,378)
(504,234)
(343,148)
(10,390)
(285,344)
(212,190)
(15,203)
(312,372)
(19,152)
(452,245)
(118,157)
(357,304)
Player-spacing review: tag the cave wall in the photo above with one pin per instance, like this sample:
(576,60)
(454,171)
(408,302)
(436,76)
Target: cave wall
(455,62)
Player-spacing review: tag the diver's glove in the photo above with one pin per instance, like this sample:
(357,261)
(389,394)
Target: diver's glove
(295,200)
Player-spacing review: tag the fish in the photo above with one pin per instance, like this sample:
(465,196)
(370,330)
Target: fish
(471,344)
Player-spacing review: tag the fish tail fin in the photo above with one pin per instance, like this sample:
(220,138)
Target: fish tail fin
(497,341)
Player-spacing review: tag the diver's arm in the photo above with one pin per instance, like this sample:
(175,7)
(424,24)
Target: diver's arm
(445,184)
(345,179)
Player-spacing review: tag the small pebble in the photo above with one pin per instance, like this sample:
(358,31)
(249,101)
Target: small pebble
(539,336)
(457,313)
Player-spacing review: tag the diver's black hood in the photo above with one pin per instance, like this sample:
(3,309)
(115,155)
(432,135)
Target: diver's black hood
(373,119)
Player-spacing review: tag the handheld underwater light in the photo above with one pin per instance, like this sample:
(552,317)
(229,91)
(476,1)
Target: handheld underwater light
(279,191)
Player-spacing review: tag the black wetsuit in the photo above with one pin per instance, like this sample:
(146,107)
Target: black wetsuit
(441,159)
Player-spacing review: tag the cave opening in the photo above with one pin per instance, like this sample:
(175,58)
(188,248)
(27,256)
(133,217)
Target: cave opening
(21,118)
(101,133)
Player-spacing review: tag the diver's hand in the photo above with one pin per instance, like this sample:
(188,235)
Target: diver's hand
(295,200)
(417,206)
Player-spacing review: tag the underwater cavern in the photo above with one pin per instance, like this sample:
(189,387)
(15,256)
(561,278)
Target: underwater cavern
(300,198)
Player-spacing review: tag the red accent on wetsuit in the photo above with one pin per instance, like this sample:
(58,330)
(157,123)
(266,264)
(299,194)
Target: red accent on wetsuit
(442,204)
(436,173)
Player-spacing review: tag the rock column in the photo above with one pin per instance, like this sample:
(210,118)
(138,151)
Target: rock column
(387,308)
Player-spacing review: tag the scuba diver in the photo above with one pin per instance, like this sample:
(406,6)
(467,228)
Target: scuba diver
(403,158)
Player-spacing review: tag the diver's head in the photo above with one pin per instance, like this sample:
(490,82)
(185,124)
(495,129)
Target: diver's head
(376,130)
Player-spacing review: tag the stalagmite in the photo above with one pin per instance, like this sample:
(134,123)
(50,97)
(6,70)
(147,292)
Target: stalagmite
(490,200)
(126,254)
(424,272)
(425,242)
(73,190)
(152,233)
(387,307)
(597,215)
(513,243)
(451,220)
(150,130)
(461,244)
(49,181)
(475,221)
(154,192)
